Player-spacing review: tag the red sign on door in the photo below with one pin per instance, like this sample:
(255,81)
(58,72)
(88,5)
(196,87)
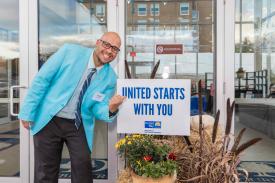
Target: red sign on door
(133,54)
(169,49)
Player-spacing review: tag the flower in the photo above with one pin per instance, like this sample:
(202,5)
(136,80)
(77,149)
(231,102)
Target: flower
(136,136)
(172,156)
(138,163)
(146,157)
(120,143)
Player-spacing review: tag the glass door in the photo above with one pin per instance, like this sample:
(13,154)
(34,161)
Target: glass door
(79,22)
(13,138)
(9,75)
(255,84)
(188,26)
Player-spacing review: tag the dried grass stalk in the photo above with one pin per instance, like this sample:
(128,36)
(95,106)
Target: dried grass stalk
(155,69)
(128,73)
(215,127)
(237,141)
(247,145)
(204,156)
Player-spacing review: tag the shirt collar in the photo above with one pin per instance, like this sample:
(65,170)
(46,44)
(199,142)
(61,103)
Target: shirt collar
(92,64)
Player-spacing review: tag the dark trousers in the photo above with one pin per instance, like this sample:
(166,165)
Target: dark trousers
(48,145)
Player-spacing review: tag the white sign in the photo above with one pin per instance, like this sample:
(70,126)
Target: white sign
(154,106)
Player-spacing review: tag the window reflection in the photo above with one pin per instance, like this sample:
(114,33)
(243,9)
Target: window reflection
(74,22)
(247,10)
(254,46)
(184,8)
(9,75)
(189,23)
(155,9)
(255,82)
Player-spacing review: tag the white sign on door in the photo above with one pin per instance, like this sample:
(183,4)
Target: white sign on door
(154,106)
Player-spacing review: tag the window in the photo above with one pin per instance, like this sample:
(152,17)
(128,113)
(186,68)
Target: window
(142,9)
(248,13)
(100,10)
(3,35)
(184,8)
(154,24)
(195,15)
(14,36)
(141,27)
(173,24)
(273,22)
(154,9)
(183,27)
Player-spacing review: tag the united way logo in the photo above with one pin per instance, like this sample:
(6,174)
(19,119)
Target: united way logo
(152,124)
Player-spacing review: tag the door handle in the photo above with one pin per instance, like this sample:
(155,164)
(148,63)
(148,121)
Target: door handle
(11,98)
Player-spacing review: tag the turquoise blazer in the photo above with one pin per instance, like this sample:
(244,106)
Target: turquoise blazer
(55,83)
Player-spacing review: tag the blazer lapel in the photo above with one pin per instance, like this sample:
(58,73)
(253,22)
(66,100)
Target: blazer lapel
(83,65)
(99,77)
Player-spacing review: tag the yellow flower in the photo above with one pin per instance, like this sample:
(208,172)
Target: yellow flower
(129,143)
(138,162)
(120,142)
(136,136)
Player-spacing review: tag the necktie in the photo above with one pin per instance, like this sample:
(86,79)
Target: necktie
(78,119)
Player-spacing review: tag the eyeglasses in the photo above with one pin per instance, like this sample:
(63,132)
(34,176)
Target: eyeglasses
(107,45)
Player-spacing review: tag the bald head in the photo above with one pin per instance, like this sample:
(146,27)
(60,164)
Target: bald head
(112,37)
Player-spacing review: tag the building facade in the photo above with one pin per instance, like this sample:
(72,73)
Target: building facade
(218,38)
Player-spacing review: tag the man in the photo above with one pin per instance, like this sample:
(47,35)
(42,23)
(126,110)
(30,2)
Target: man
(72,89)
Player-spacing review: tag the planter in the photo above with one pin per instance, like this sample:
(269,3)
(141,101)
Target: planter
(166,179)
(240,74)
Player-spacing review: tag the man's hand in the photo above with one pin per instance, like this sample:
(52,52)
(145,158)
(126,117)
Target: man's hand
(115,102)
(26,124)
